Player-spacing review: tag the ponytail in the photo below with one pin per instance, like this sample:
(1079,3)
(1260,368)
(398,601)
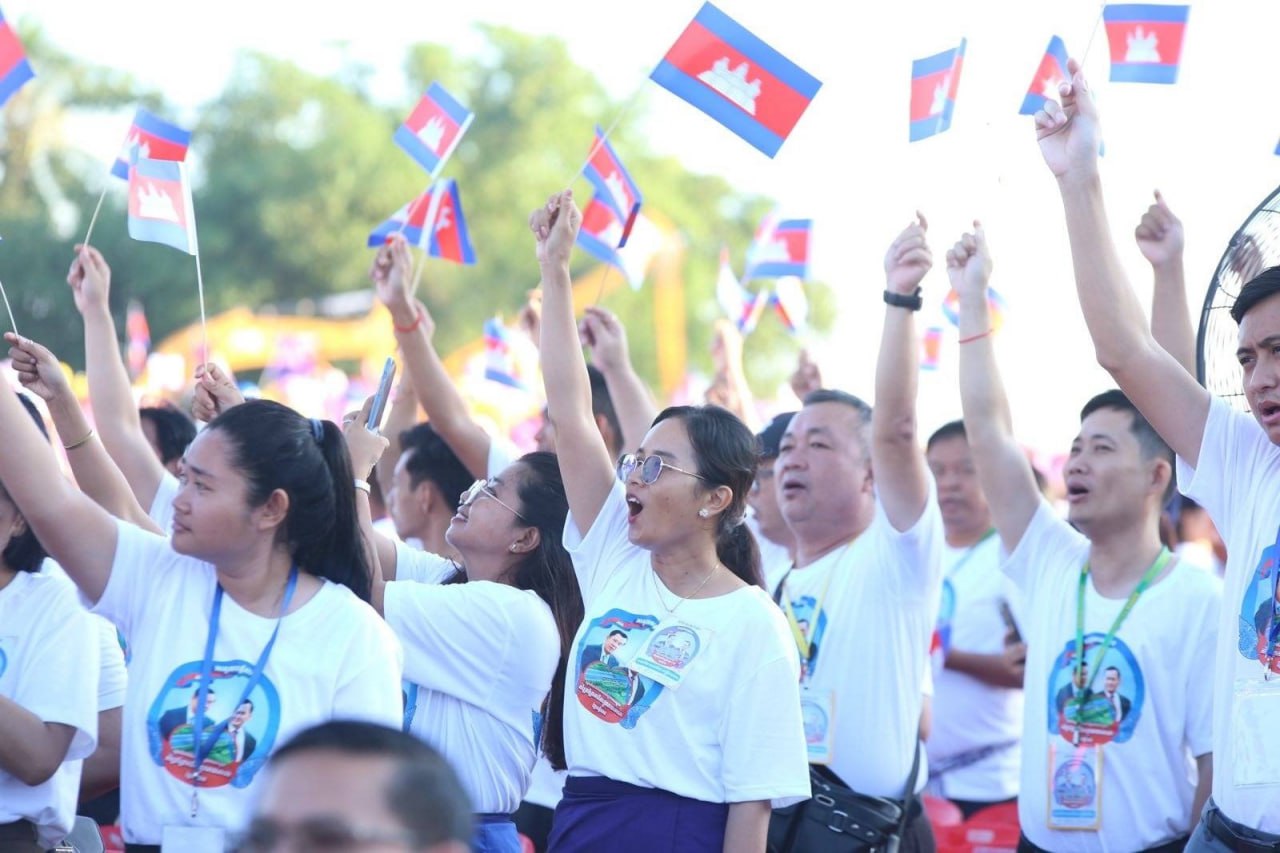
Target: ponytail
(737,549)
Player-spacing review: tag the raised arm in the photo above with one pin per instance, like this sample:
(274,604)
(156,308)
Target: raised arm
(1003,469)
(897,459)
(729,387)
(414,328)
(114,409)
(402,416)
(364,448)
(606,337)
(214,393)
(75,531)
(586,468)
(98,477)
(1153,379)
(1160,239)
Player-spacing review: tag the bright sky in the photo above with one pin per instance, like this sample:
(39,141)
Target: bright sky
(1207,142)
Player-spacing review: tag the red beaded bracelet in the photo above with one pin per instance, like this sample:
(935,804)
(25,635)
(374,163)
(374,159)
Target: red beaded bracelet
(976,337)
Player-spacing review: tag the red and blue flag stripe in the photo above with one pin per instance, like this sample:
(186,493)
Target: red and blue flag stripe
(15,70)
(151,137)
(1146,41)
(935,82)
(1044,85)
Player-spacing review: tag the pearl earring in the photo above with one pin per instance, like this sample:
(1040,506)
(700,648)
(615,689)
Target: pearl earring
(703,513)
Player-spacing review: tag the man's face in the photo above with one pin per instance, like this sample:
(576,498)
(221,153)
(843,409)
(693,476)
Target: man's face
(763,500)
(242,716)
(614,642)
(822,470)
(1108,479)
(1259,356)
(1111,681)
(1081,677)
(322,788)
(404,501)
(964,507)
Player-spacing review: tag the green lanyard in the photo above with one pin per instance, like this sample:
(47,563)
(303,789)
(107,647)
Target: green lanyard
(1151,574)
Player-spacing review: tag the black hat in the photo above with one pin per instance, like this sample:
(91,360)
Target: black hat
(771,436)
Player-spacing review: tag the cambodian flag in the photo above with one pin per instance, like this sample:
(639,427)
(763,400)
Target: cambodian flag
(1146,41)
(731,75)
(449,238)
(935,80)
(160,209)
(996,308)
(151,137)
(752,308)
(500,363)
(613,184)
(433,129)
(14,68)
(138,335)
(780,248)
(790,303)
(600,232)
(729,292)
(1044,86)
(931,346)
(409,220)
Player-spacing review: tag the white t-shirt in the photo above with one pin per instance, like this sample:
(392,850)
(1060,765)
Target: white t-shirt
(49,666)
(113,678)
(480,657)
(1236,482)
(1163,653)
(161,510)
(875,601)
(730,731)
(775,560)
(334,658)
(970,715)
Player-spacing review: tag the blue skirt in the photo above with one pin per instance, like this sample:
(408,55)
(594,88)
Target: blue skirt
(495,833)
(598,813)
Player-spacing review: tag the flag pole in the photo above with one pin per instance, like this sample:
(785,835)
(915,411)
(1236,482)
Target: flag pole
(7,308)
(1092,35)
(93,219)
(608,269)
(204,327)
(600,141)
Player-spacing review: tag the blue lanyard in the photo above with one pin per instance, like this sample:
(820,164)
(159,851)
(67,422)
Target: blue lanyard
(204,745)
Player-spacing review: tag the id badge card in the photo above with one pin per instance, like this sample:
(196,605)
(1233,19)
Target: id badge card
(818,710)
(1255,750)
(193,839)
(672,649)
(1075,786)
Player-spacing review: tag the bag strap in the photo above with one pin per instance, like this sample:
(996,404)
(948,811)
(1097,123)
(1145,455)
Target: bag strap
(908,798)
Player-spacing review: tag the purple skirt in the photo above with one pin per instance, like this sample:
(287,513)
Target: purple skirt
(598,813)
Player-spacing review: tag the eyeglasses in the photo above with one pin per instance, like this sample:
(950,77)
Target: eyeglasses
(323,835)
(650,468)
(482,487)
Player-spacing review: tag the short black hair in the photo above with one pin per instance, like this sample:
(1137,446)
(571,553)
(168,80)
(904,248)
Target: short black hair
(951,429)
(1114,669)
(424,793)
(833,395)
(1259,288)
(431,458)
(174,430)
(1150,443)
(616,631)
(770,438)
(602,404)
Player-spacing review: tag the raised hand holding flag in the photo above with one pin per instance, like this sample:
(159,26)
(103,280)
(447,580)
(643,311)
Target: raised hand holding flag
(15,70)
(613,184)
(725,70)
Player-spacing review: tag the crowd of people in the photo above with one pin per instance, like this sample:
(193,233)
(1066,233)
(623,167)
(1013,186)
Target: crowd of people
(670,629)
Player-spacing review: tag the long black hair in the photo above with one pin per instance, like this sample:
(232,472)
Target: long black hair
(547,571)
(726,453)
(277,448)
(24,553)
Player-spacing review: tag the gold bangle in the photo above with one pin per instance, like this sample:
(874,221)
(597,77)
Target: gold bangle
(76,444)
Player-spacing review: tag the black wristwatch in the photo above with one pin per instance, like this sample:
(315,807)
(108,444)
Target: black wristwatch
(902,300)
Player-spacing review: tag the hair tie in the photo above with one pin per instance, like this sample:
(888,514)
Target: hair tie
(317,430)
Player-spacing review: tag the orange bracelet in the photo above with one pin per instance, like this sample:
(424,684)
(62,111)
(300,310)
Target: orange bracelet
(972,338)
(404,330)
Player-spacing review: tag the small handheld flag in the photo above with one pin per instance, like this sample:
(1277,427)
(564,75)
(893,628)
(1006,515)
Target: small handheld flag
(500,363)
(409,220)
(931,348)
(935,81)
(780,248)
(138,335)
(723,69)
(449,238)
(434,128)
(160,209)
(15,70)
(729,293)
(791,304)
(613,184)
(600,232)
(752,308)
(151,137)
(1146,41)
(1044,85)
(996,307)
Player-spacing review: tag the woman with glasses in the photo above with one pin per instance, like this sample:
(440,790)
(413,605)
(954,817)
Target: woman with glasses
(682,722)
(484,639)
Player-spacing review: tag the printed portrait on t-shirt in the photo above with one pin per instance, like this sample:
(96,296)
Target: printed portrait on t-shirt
(607,688)
(1260,613)
(236,732)
(812,628)
(1103,705)
(409,701)
(4,659)
(941,642)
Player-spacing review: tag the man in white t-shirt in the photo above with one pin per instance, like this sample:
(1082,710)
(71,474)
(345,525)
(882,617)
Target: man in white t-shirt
(1228,462)
(426,488)
(864,591)
(978,656)
(1105,604)
(776,541)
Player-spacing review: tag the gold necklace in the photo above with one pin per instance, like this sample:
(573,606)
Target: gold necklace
(657,587)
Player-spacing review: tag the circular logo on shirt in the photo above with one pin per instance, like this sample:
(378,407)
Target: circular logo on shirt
(4,659)
(408,702)
(606,688)
(1074,785)
(234,732)
(1092,701)
(1260,612)
(674,647)
(815,722)
(941,642)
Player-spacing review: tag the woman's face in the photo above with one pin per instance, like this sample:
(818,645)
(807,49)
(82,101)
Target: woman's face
(667,509)
(211,516)
(486,527)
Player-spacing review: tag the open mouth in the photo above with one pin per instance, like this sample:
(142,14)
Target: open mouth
(1269,410)
(1076,492)
(791,488)
(634,507)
